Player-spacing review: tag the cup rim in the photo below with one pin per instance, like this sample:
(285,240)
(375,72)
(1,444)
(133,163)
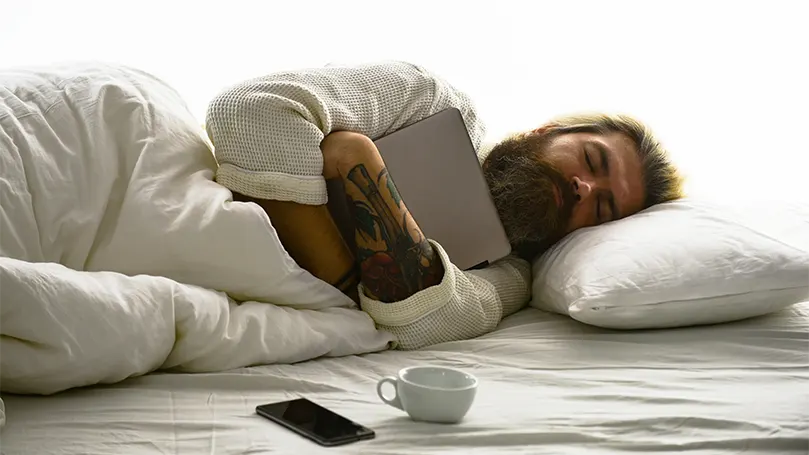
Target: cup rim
(473,385)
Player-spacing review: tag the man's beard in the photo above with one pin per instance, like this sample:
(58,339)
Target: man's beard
(521,181)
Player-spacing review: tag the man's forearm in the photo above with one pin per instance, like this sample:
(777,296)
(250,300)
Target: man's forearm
(395,258)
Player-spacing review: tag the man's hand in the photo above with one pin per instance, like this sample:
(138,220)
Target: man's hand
(395,258)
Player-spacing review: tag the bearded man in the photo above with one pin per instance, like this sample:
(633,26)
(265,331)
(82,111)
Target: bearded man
(279,138)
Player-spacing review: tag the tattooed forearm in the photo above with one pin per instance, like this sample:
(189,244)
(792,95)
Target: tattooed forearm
(395,258)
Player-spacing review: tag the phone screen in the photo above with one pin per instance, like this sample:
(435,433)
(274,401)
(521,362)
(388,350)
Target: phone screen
(315,422)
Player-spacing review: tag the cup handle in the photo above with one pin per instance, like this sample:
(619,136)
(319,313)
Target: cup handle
(395,402)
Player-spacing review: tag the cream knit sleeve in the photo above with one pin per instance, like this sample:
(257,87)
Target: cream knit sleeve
(464,305)
(267,131)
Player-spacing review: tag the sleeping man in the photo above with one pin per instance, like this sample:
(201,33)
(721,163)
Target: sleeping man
(279,138)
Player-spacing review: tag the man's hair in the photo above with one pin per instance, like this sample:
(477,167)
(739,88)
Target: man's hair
(662,180)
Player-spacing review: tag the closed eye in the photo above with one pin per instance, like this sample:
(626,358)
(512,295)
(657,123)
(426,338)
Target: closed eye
(605,163)
(589,162)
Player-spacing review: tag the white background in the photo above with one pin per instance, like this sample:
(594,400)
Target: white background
(723,83)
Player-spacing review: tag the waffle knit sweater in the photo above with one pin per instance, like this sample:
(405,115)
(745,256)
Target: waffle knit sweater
(267,132)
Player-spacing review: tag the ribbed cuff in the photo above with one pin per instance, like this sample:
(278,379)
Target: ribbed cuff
(309,190)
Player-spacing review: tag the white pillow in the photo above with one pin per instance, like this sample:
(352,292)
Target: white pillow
(678,264)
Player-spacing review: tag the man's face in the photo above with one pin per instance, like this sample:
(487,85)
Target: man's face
(546,187)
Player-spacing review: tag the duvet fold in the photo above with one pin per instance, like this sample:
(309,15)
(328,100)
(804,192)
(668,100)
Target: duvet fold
(119,254)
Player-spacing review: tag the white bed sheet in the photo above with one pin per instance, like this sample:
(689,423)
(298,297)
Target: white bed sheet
(548,384)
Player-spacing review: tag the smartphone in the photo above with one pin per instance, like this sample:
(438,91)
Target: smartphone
(315,422)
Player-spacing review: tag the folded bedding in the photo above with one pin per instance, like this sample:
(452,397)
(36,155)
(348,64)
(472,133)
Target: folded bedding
(120,255)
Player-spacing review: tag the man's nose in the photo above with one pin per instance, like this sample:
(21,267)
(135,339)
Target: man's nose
(581,189)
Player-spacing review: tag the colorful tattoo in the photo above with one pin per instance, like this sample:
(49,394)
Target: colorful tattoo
(395,258)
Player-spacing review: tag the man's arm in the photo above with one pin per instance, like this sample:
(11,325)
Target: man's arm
(395,259)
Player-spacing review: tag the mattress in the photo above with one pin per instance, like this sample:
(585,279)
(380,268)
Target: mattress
(548,384)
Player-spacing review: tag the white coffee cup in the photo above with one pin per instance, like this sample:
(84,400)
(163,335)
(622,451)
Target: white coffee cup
(431,393)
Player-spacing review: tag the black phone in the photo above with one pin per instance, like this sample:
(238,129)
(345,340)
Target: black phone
(315,422)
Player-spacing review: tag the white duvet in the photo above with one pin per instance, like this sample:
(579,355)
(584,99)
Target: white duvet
(119,255)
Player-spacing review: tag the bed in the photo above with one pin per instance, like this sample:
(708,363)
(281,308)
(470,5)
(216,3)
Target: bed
(111,275)
(548,384)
